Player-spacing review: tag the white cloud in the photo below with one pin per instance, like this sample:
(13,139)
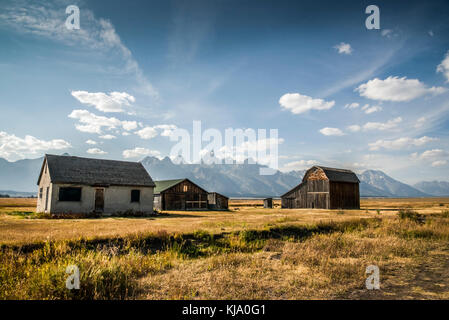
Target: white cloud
(430,154)
(13,147)
(331,132)
(443,67)
(92,123)
(343,48)
(91,142)
(354,128)
(140,152)
(353,105)
(396,89)
(390,124)
(147,133)
(129,125)
(165,130)
(299,165)
(437,157)
(112,102)
(372,109)
(96,151)
(107,137)
(431,33)
(400,143)
(298,103)
(439,163)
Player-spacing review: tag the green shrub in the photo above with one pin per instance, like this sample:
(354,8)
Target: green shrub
(410,215)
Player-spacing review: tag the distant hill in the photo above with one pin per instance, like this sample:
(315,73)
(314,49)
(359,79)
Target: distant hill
(234,180)
(20,175)
(436,188)
(389,186)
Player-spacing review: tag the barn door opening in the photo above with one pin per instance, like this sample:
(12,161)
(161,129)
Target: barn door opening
(99,200)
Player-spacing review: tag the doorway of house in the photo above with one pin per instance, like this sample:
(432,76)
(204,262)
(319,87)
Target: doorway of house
(99,200)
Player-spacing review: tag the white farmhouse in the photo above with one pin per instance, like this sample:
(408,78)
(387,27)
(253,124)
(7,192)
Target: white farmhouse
(82,185)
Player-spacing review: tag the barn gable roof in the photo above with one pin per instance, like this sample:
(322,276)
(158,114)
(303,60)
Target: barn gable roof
(219,194)
(333,174)
(337,175)
(163,185)
(88,171)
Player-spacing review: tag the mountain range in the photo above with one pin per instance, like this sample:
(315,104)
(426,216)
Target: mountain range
(233,180)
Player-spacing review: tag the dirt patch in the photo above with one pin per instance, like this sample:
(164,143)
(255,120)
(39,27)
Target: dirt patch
(426,278)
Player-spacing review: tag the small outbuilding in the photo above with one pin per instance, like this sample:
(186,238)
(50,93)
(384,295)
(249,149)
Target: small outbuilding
(268,203)
(179,194)
(325,188)
(217,201)
(78,185)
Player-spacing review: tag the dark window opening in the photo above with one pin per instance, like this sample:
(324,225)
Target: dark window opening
(69,194)
(135,195)
(41,191)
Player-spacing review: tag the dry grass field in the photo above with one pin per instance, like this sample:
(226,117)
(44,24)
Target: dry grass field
(247,252)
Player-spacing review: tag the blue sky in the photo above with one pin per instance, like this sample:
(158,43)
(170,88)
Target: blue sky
(339,94)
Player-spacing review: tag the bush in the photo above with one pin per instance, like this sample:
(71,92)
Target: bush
(410,215)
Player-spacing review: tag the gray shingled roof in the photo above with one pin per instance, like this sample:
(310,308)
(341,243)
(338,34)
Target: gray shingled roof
(339,175)
(87,171)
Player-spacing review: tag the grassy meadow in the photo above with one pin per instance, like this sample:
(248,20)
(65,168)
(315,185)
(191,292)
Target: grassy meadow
(247,252)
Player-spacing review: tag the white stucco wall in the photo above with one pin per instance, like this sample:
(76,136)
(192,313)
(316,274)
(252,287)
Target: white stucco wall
(44,183)
(116,199)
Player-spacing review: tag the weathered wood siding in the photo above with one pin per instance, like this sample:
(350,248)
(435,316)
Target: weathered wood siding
(184,196)
(316,191)
(344,195)
(217,201)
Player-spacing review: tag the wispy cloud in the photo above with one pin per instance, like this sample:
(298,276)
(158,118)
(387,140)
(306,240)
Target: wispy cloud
(96,151)
(92,123)
(112,102)
(331,132)
(140,152)
(47,19)
(400,143)
(443,67)
(343,48)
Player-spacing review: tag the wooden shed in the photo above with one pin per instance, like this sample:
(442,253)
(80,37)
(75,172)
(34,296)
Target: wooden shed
(217,201)
(268,203)
(179,194)
(325,188)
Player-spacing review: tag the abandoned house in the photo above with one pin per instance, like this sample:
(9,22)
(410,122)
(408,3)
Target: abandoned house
(217,201)
(179,194)
(325,188)
(82,185)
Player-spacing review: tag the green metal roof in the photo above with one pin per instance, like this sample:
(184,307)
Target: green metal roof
(165,184)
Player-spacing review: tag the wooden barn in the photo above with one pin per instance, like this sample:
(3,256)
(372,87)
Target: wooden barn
(217,201)
(179,194)
(325,188)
